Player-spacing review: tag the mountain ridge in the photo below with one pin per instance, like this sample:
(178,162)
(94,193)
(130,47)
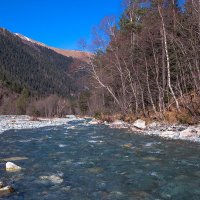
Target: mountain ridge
(82,55)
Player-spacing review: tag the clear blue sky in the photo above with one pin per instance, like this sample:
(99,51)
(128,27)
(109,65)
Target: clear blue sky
(58,23)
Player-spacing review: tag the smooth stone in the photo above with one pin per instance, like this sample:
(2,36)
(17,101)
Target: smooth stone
(11,167)
(140,124)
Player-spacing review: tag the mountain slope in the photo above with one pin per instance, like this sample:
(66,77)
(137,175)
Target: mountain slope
(28,63)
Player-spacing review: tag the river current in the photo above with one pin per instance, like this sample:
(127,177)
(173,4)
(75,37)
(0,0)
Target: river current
(78,161)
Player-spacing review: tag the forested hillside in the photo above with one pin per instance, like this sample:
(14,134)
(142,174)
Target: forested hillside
(34,79)
(148,63)
(37,68)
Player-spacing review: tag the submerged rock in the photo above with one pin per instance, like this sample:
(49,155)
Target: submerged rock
(115,195)
(13,159)
(11,167)
(151,158)
(128,146)
(95,170)
(140,124)
(6,190)
(66,189)
(53,178)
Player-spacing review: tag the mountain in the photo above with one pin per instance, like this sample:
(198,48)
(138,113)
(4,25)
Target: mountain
(43,70)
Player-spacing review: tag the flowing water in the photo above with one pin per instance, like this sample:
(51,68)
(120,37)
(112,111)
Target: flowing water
(80,162)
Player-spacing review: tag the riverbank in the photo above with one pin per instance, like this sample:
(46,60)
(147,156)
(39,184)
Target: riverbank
(175,131)
(164,130)
(159,129)
(8,122)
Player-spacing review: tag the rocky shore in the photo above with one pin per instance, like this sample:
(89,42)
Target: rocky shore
(164,130)
(8,122)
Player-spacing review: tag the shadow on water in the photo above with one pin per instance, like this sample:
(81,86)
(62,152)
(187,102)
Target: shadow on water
(80,161)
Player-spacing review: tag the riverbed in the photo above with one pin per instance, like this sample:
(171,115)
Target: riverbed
(76,160)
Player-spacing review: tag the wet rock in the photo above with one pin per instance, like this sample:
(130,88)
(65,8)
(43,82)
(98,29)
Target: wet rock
(140,124)
(119,124)
(11,167)
(53,178)
(6,190)
(128,146)
(1,184)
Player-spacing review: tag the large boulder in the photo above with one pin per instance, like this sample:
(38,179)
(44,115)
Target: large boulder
(11,167)
(140,124)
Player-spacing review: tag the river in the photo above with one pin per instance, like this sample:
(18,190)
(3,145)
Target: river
(79,161)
